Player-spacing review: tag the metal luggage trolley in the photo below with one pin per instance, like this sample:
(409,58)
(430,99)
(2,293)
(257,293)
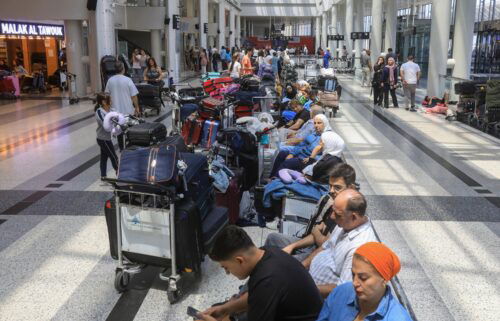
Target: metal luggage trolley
(145,227)
(310,69)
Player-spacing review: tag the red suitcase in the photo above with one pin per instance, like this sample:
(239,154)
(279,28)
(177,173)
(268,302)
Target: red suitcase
(223,80)
(231,199)
(191,131)
(211,102)
(7,86)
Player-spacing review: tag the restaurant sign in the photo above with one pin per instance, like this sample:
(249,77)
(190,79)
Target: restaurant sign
(16,28)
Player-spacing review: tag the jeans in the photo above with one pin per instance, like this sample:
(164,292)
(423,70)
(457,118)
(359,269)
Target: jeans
(365,76)
(107,151)
(410,90)
(393,95)
(282,240)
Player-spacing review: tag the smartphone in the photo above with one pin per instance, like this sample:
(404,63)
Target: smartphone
(192,312)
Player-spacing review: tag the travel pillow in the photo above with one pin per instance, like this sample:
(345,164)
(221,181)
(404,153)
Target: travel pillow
(287,176)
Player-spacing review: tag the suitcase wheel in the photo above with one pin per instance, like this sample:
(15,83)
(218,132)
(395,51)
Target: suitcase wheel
(173,295)
(122,280)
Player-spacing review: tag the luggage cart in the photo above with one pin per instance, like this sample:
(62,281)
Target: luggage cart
(146,235)
(310,70)
(71,81)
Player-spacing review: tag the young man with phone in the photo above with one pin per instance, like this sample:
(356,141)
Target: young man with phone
(279,287)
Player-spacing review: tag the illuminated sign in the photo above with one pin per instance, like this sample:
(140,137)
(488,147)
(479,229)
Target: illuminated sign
(11,28)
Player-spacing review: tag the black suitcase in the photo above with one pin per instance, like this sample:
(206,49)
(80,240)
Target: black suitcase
(148,90)
(198,181)
(213,224)
(465,88)
(189,237)
(177,141)
(146,134)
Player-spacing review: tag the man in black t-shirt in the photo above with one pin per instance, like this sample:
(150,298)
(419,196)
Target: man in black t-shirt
(279,287)
(302,115)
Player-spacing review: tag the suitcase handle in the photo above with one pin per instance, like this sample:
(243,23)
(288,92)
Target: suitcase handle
(115,182)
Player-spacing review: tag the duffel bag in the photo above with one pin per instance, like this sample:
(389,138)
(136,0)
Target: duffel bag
(156,164)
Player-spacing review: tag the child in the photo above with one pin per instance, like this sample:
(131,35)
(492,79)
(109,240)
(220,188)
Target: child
(103,137)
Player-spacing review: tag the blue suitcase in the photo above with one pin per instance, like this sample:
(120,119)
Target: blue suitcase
(209,133)
(211,225)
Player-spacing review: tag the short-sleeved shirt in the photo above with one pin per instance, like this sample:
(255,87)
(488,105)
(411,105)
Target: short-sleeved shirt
(333,265)
(342,304)
(280,288)
(121,89)
(410,70)
(235,73)
(246,65)
(365,60)
(304,114)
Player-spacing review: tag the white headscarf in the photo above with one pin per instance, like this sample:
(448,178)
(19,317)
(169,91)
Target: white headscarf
(325,121)
(333,144)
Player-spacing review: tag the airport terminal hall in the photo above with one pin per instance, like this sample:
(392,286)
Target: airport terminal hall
(249,160)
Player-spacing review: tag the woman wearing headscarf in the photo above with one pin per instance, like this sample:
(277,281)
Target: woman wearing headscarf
(390,80)
(368,296)
(377,81)
(266,69)
(295,158)
(331,145)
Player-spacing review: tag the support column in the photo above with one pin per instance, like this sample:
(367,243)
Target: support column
(222,26)
(232,29)
(238,30)
(438,48)
(462,38)
(349,19)
(391,20)
(334,28)
(203,13)
(156,38)
(358,28)
(74,39)
(376,32)
(324,31)
(317,29)
(172,36)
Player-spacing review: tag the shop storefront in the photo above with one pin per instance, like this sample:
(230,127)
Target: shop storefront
(35,46)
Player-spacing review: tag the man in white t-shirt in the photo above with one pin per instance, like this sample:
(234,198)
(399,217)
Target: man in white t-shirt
(410,75)
(123,94)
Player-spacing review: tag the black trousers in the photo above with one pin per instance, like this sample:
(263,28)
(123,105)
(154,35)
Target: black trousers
(378,95)
(393,95)
(107,151)
(121,144)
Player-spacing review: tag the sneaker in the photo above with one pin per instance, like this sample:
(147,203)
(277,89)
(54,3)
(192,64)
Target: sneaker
(413,109)
(407,108)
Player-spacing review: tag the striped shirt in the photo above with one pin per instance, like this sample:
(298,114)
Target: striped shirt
(333,265)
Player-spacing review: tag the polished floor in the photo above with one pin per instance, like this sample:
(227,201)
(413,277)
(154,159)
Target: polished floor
(433,189)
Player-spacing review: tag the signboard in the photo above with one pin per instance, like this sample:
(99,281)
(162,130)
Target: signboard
(360,35)
(176,21)
(16,28)
(336,37)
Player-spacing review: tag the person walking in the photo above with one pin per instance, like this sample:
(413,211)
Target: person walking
(215,60)
(326,58)
(366,68)
(203,61)
(246,63)
(391,54)
(103,107)
(377,83)
(410,76)
(390,80)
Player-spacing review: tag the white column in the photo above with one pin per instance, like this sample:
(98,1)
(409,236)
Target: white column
(333,24)
(317,28)
(156,38)
(324,31)
(391,20)
(232,29)
(349,24)
(462,39)
(358,28)
(74,38)
(238,30)
(438,48)
(222,25)
(376,32)
(172,36)
(105,27)
(203,13)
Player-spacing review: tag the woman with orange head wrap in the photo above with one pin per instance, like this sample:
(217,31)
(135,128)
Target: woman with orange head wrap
(368,296)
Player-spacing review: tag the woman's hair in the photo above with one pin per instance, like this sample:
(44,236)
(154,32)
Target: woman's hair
(154,61)
(100,99)
(236,56)
(383,59)
(261,53)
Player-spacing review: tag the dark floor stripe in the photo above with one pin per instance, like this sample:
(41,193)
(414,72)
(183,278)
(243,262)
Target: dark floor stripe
(483,191)
(80,169)
(25,203)
(34,137)
(469,181)
(494,200)
(54,185)
(130,301)
(2,221)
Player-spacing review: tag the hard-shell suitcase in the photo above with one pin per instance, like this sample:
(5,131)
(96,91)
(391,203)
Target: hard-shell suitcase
(243,109)
(146,134)
(191,131)
(213,224)
(210,129)
(177,141)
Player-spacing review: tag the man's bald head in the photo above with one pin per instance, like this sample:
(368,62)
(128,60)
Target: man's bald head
(349,209)
(354,201)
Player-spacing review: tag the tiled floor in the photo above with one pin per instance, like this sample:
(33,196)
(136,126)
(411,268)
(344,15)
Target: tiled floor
(433,189)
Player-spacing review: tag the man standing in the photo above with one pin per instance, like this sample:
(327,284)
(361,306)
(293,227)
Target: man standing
(391,54)
(279,288)
(410,75)
(366,67)
(123,95)
(246,63)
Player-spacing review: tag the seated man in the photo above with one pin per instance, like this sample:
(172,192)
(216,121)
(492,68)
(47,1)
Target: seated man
(300,118)
(279,288)
(307,129)
(342,177)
